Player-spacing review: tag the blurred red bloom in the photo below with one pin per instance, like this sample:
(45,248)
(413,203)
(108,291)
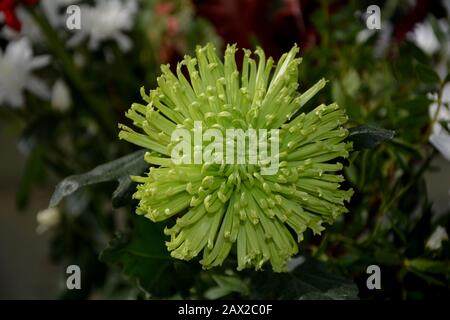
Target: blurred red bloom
(8,9)
(275,25)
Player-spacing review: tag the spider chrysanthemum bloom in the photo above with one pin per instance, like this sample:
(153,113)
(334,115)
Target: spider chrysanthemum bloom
(220,206)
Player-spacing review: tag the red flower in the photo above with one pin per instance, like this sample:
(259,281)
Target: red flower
(8,7)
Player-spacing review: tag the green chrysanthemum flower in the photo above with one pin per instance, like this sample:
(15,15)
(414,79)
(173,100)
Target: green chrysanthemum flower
(220,207)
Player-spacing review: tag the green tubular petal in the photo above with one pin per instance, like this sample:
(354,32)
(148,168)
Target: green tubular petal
(164,210)
(261,80)
(228,223)
(242,248)
(192,216)
(149,158)
(137,114)
(231,75)
(194,75)
(212,234)
(159,123)
(173,90)
(141,140)
(202,61)
(212,203)
(265,251)
(311,92)
(171,114)
(277,259)
(303,135)
(283,239)
(315,222)
(282,67)
(155,135)
(188,91)
(220,250)
(317,150)
(253,247)
(217,206)
(193,240)
(252,78)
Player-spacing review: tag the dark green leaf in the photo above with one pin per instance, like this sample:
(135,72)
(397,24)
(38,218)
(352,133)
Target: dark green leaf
(226,285)
(368,137)
(310,280)
(416,105)
(144,258)
(119,170)
(124,190)
(427,74)
(33,172)
(406,147)
(39,132)
(447,78)
(429,266)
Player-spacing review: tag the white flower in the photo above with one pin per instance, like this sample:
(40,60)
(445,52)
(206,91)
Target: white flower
(60,96)
(383,40)
(106,21)
(440,138)
(435,240)
(16,65)
(446,5)
(47,219)
(53,12)
(423,36)
(364,35)
(29,28)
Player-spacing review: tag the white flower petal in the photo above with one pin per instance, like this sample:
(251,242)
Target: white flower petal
(29,27)
(444,112)
(38,87)
(423,36)
(16,64)
(19,50)
(364,35)
(106,21)
(47,219)
(60,96)
(93,42)
(446,93)
(441,141)
(15,99)
(435,240)
(39,62)
(124,42)
(53,10)
(76,39)
(446,5)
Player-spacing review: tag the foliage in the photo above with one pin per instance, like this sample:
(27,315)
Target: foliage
(385,82)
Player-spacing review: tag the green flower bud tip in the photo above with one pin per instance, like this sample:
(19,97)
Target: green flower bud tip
(220,207)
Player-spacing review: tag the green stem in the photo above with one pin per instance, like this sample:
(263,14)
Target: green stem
(388,204)
(439,105)
(92,104)
(436,114)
